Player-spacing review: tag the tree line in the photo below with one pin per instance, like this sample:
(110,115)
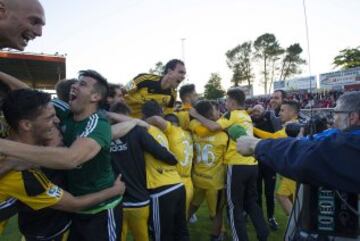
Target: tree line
(274,62)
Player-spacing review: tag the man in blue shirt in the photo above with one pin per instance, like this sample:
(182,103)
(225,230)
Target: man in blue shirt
(331,158)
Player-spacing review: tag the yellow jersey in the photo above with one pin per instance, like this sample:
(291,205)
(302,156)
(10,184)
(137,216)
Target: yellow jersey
(184,116)
(31,187)
(209,169)
(181,145)
(235,117)
(269,135)
(159,173)
(145,87)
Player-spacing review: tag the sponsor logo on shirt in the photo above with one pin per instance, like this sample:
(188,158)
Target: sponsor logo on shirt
(118,145)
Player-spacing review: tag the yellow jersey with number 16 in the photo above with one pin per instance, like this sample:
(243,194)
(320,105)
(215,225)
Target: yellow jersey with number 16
(209,169)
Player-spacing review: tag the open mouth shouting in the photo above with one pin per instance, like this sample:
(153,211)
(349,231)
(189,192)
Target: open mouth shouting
(26,37)
(72,95)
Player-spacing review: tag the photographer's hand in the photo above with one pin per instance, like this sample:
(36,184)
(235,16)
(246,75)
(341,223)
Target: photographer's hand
(246,145)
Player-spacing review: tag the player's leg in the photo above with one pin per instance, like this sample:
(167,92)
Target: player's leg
(250,204)
(138,219)
(198,198)
(235,189)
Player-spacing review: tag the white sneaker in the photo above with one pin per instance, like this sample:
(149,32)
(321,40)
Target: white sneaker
(193,219)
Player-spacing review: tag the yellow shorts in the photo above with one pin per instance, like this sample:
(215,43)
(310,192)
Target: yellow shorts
(287,187)
(214,198)
(189,189)
(136,221)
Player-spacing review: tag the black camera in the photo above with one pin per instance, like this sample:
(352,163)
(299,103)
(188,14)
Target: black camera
(315,124)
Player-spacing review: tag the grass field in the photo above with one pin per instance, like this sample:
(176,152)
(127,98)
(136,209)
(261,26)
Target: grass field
(199,231)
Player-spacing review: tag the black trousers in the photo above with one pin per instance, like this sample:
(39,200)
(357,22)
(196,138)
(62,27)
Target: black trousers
(168,215)
(105,226)
(241,196)
(267,176)
(59,237)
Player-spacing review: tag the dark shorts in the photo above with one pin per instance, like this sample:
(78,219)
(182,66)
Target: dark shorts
(104,226)
(59,237)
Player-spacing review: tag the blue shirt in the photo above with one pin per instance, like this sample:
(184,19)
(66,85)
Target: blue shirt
(330,159)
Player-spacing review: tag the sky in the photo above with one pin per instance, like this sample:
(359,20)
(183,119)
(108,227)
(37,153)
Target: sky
(121,39)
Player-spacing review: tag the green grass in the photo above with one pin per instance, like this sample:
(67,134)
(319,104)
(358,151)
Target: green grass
(11,232)
(199,231)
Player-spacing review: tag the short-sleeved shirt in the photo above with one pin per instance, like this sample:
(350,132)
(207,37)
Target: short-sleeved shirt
(242,118)
(46,222)
(184,116)
(235,117)
(181,145)
(209,169)
(159,174)
(30,187)
(96,174)
(145,87)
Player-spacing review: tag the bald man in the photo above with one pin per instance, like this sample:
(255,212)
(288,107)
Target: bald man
(20,22)
(257,111)
(262,120)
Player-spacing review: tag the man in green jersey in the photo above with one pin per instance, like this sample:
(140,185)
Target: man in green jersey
(87,135)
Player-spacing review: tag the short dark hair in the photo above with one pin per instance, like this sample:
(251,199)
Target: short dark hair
(120,108)
(151,108)
(101,85)
(171,65)
(185,90)
(112,89)
(283,93)
(237,94)
(204,108)
(293,104)
(23,104)
(172,118)
(63,89)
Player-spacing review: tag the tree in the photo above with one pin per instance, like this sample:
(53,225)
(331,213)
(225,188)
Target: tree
(268,49)
(158,69)
(348,58)
(213,88)
(291,61)
(239,61)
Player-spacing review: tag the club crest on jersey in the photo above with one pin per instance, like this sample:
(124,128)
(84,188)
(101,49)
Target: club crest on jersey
(54,191)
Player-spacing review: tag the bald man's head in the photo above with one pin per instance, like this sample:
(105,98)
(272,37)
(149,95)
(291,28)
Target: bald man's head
(20,22)
(257,112)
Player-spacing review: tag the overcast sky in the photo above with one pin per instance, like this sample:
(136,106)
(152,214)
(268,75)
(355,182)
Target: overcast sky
(123,38)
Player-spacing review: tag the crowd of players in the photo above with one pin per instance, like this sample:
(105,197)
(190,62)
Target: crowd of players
(170,160)
(129,161)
